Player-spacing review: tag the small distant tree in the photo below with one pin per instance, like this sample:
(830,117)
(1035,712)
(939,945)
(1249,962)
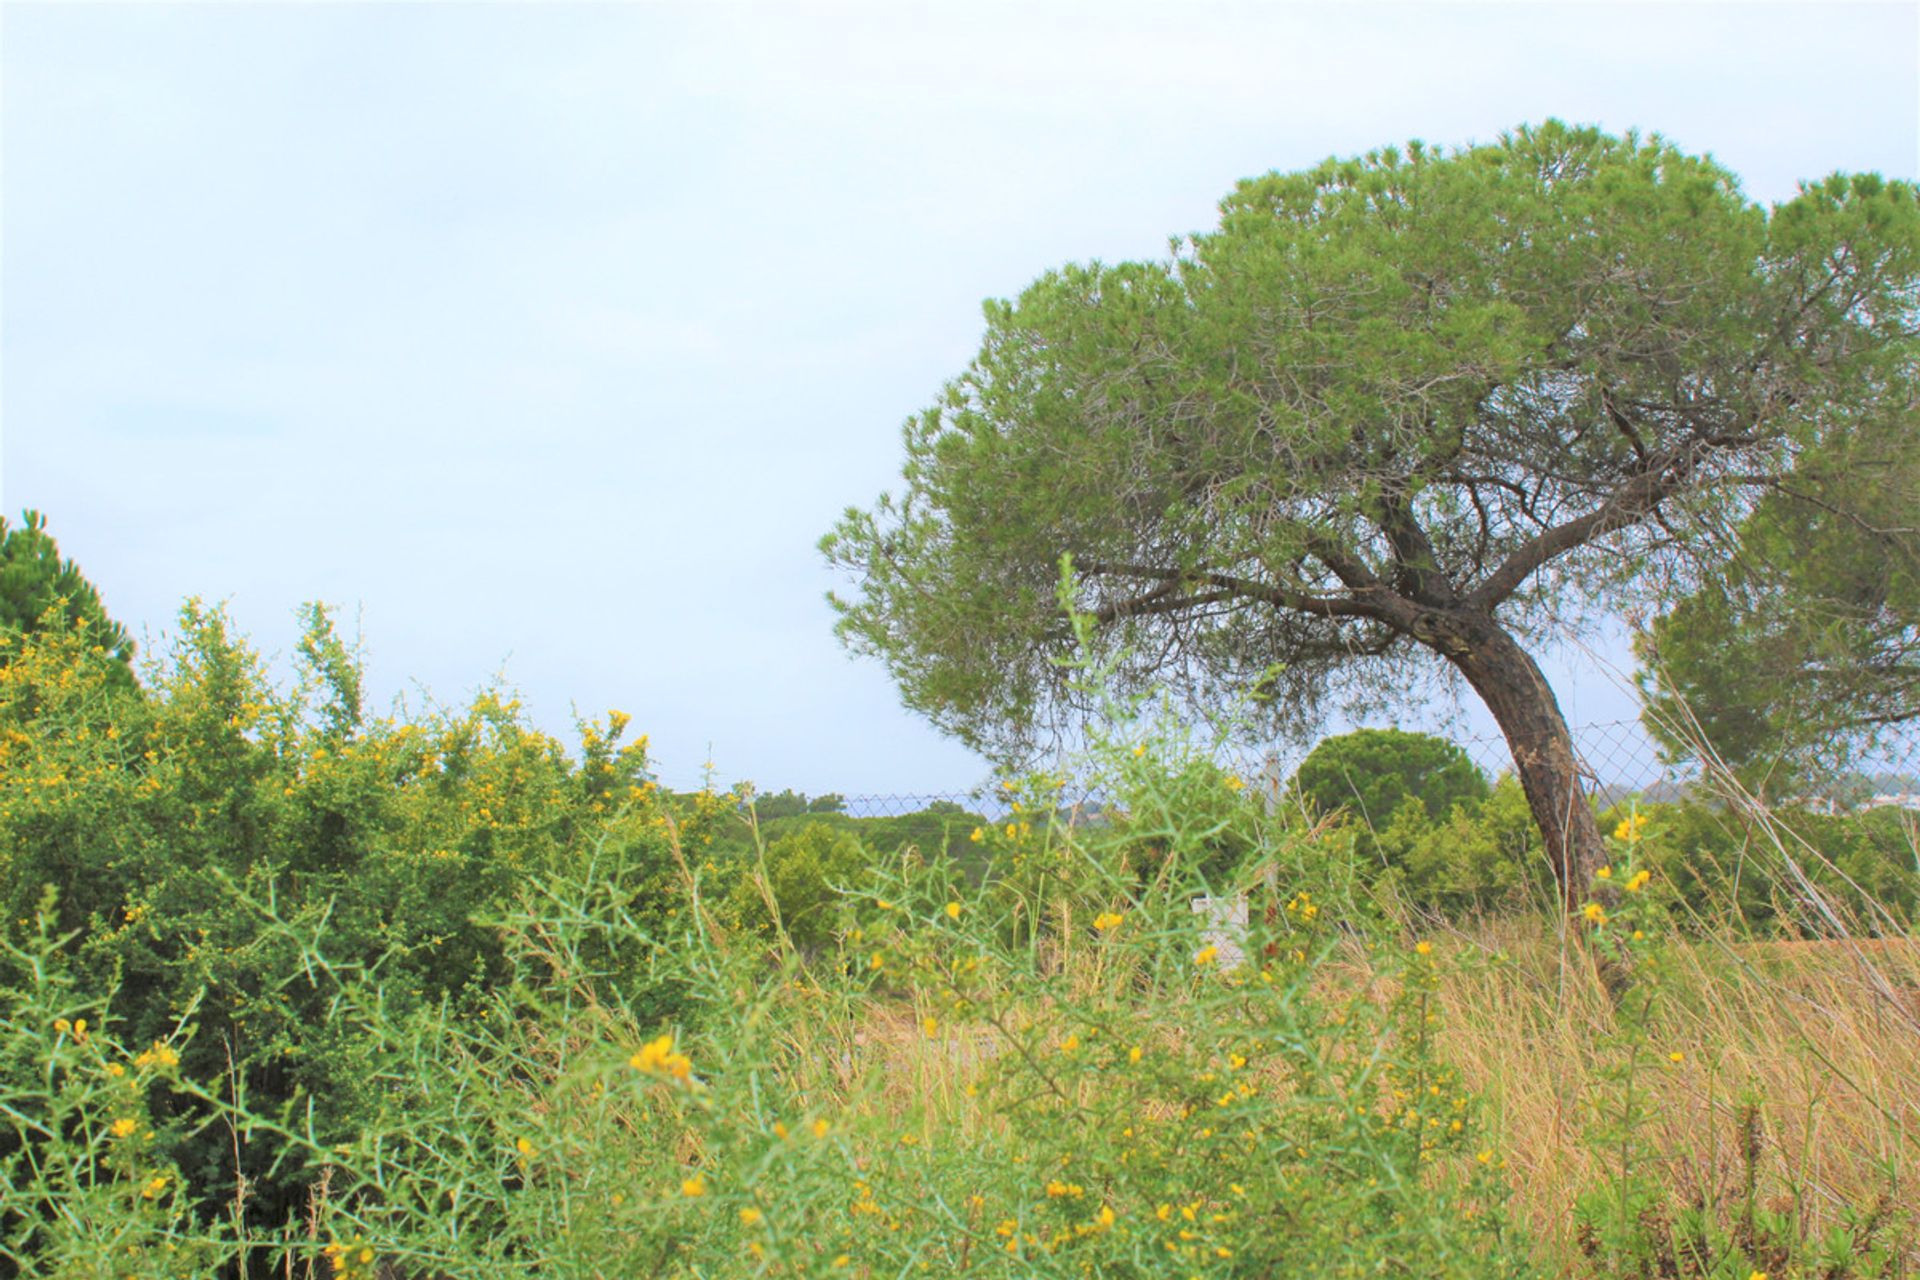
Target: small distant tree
(1372,772)
(36,580)
(788,804)
(1418,407)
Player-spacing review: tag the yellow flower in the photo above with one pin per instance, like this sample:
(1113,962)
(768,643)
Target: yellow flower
(1595,913)
(1638,881)
(657,1057)
(154,1186)
(694,1187)
(1486,1156)
(523,1146)
(61,1026)
(1631,829)
(977,836)
(1676,1056)
(1423,947)
(820,1128)
(1605,873)
(160,1055)
(115,1070)
(1012,830)
(749,1216)
(1133,1054)
(779,1130)
(1206,955)
(930,1024)
(1108,920)
(876,961)
(1139,751)
(953,911)
(1070,1044)
(123,1127)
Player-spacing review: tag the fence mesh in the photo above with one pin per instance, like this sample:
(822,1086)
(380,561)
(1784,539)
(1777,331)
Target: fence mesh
(1618,758)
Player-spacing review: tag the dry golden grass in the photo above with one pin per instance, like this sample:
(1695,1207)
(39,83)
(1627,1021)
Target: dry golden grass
(1822,1038)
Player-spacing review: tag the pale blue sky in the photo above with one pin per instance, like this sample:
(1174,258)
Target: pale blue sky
(550,338)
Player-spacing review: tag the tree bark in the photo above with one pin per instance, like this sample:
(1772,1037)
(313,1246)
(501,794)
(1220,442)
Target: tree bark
(1522,702)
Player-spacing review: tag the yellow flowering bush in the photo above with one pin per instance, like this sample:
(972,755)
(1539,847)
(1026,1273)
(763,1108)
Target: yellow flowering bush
(180,819)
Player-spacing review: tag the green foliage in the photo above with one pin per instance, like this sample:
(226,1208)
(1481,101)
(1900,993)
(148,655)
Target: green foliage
(1627,1223)
(1806,645)
(189,827)
(802,873)
(1726,866)
(1396,411)
(789,804)
(36,582)
(315,993)
(1106,1095)
(1722,866)
(1324,438)
(91,1189)
(1372,772)
(943,826)
(1478,857)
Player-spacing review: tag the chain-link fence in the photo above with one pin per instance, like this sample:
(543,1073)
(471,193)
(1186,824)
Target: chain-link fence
(1620,760)
(1617,756)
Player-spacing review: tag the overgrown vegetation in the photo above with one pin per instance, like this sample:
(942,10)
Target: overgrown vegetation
(295,990)
(1429,832)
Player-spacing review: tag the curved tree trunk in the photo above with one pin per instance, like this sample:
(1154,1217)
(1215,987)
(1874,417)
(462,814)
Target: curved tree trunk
(1522,702)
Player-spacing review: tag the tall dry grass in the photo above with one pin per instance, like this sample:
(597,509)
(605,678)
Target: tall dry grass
(1810,1052)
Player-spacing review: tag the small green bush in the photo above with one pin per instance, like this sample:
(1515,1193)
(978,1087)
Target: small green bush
(1371,772)
(802,873)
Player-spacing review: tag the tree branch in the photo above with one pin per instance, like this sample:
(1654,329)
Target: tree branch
(1632,502)
(1161,600)
(1242,588)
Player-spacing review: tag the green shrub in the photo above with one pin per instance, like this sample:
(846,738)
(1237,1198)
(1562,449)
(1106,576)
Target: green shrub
(1372,772)
(184,824)
(1475,857)
(803,872)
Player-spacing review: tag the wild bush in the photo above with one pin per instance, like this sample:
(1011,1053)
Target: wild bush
(177,828)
